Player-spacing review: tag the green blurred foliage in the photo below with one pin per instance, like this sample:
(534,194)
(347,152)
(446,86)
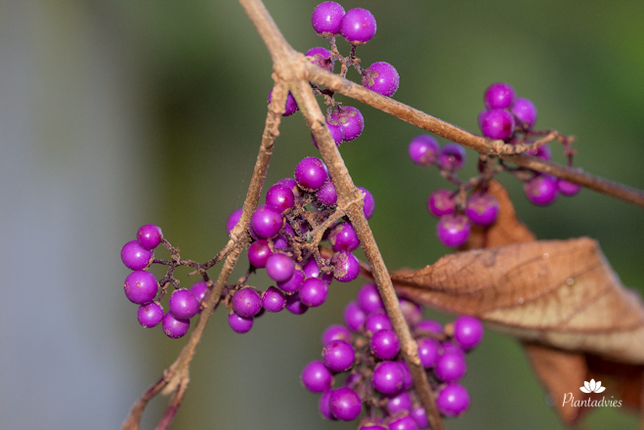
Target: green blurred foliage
(206,75)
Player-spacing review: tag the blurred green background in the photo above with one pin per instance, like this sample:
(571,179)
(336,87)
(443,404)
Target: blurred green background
(187,83)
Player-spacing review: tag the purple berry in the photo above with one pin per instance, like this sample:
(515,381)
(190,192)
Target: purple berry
(246,302)
(525,111)
(452,156)
(280,267)
(544,152)
(150,315)
(311,174)
(498,124)
(388,377)
(294,305)
(412,312)
(338,355)
(149,236)
(135,257)
(343,237)
(351,121)
(291,105)
(313,292)
(450,348)
(292,185)
(453,230)
(381,78)
(336,133)
(450,367)
(499,96)
(424,150)
(322,57)
(200,290)
(358,26)
(267,221)
(420,416)
(482,209)
(327,18)
(427,352)
(324,406)
(294,283)
(369,203)
(354,317)
(452,400)
(385,344)
(280,197)
(468,331)
(441,202)
(345,404)
(405,422)
(316,377)
(368,298)
(567,188)
(174,327)
(183,304)
(346,266)
(429,326)
(327,195)
(273,300)
(399,402)
(141,287)
(240,324)
(541,190)
(258,253)
(312,270)
(376,322)
(407,379)
(334,332)
(233,219)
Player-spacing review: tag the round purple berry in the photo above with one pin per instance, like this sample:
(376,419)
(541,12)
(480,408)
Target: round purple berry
(294,283)
(326,18)
(316,377)
(453,230)
(452,156)
(376,322)
(354,317)
(240,324)
(258,253)
(382,78)
(428,326)
(336,133)
(346,266)
(498,124)
(450,367)
(424,150)
(149,236)
(427,352)
(280,197)
(311,173)
(338,355)
(313,292)
(541,190)
(233,219)
(358,26)
(183,304)
(369,203)
(544,152)
(499,96)
(388,377)
(525,111)
(385,344)
(200,290)
(567,188)
(368,298)
(267,221)
(294,305)
(273,300)
(441,202)
(468,331)
(141,287)
(399,402)
(335,331)
(343,237)
(150,315)
(291,105)
(452,400)
(351,121)
(135,257)
(405,422)
(482,209)
(174,327)
(327,195)
(324,405)
(420,416)
(345,404)
(246,302)
(312,270)
(322,57)
(280,267)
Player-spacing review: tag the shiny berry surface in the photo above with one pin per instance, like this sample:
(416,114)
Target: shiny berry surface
(141,287)
(338,355)
(498,124)
(424,150)
(482,209)
(316,377)
(453,230)
(541,190)
(499,96)
(441,202)
(345,404)
(174,327)
(358,26)
(135,257)
(183,304)
(468,331)
(149,236)
(382,78)
(150,315)
(326,18)
(452,400)
(311,174)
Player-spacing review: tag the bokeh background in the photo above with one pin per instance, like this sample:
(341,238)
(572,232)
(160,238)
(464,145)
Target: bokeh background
(115,113)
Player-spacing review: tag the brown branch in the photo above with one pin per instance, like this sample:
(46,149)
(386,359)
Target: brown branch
(478,143)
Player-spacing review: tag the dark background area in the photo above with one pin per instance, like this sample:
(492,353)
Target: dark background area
(193,78)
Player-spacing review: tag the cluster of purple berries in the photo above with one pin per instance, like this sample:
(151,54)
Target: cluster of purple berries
(369,350)
(357,26)
(511,119)
(481,208)
(142,288)
(282,231)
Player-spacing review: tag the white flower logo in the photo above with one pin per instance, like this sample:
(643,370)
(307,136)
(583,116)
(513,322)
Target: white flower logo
(592,387)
